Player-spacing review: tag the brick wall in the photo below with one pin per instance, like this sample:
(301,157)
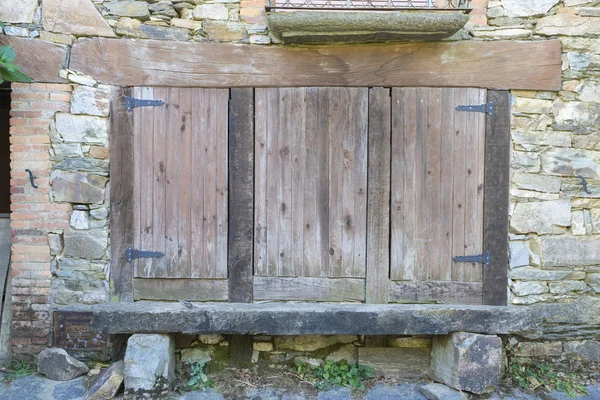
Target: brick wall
(33,215)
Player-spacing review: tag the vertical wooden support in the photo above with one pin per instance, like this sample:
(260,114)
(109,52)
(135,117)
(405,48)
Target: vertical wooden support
(378,203)
(241,194)
(241,213)
(121,196)
(495,203)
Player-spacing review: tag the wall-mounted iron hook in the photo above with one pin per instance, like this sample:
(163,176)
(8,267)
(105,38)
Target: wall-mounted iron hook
(584,183)
(31,178)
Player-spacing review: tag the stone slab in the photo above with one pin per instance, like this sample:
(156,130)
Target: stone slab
(18,11)
(77,17)
(147,358)
(566,250)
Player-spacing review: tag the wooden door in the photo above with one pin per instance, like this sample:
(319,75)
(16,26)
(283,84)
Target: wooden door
(180,194)
(310,193)
(437,176)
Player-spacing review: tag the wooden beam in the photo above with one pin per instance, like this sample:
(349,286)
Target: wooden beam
(495,200)
(241,194)
(121,195)
(180,289)
(378,196)
(534,65)
(309,289)
(40,60)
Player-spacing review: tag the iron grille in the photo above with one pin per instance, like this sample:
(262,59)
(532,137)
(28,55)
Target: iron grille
(378,5)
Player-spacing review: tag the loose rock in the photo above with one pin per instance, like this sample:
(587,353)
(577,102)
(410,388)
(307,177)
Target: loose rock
(58,365)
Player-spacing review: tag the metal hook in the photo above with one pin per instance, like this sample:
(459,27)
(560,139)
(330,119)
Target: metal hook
(584,183)
(31,178)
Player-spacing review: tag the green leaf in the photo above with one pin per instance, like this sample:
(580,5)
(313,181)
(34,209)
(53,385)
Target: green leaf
(7,54)
(15,76)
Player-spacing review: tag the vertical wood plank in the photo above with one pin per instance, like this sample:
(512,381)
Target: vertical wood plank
(459,190)
(173,147)
(323,113)
(241,194)
(497,171)
(433,174)
(272,182)
(397,184)
(284,195)
(260,188)
(185,202)
(337,129)
(378,196)
(210,187)
(221,97)
(123,178)
(477,273)
(298,152)
(447,183)
(198,165)
(159,190)
(361,127)
(137,183)
(421,193)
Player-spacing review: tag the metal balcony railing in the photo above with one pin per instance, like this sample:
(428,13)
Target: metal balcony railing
(370,5)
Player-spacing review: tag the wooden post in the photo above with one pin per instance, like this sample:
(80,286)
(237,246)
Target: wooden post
(378,203)
(495,203)
(121,195)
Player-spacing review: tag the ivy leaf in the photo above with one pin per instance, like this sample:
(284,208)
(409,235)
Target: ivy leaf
(7,54)
(14,76)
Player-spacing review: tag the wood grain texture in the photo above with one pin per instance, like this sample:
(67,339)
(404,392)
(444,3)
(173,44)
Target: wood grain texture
(121,195)
(396,362)
(309,289)
(181,182)
(378,196)
(449,292)
(180,289)
(500,64)
(495,214)
(40,60)
(311,155)
(241,194)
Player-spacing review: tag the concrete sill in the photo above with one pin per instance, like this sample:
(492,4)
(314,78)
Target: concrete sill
(326,27)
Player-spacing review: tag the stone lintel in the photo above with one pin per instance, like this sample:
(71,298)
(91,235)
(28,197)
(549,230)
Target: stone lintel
(577,320)
(318,27)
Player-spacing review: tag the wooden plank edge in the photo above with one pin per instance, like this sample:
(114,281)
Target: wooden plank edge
(309,289)
(180,289)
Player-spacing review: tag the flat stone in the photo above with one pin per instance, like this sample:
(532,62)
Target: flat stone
(56,38)
(467,361)
(567,25)
(38,387)
(519,254)
(263,346)
(82,79)
(99,152)
(59,16)
(527,288)
(82,128)
(535,274)
(338,393)
(566,250)
(214,11)
(86,291)
(538,349)
(148,356)
(311,342)
(186,23)
(18,11)
(589,12)
(588,350)
(134,28)
(259,39)
(358,27)
(67,150)
(437,391)
(131,9)
(525,161)
(577,115)
(107,383)
(90,244)
(571,162)
(410,341)
(82,164)
(77,187)
(542,217)
(578,226)
(532,8)
(58,365)
(395,392)
(80,220)
(90,101)
(224,31)
(396,362)
(532,106)
(508,33)
(16,31)
(532,140)
(593,280)
(563,287)
(55,241)
(347,352)
(207,394)
(539,183)
(164,8)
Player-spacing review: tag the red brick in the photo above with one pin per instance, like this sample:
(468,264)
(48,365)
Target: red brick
(58,87)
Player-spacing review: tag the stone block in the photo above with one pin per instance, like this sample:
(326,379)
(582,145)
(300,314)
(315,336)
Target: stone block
(467,361)
(186,23)
(67,150)
(538,349)
(586,350)
(531,141)
(163,8)
(263,346)
(18,11)
(83,164)
(90,101)
(107,383)
(578,227)
(55,241)
(396,362)
(542,217)
(410,341)
(90,244)
(437,391)
(134,28)
(593,280)
(100,152)
(77,17)
(567,25)
(577,115)
(532,106)
(519,254)
(564,287)
(82,128)
(311,342)
(566,250)
(529,287)
(347,352)
(525,161)
(131,9)
(65,292)
(520,8)
(58,365)
(80,220)
(147,358)
(211,11)
(77,187)
(224,31)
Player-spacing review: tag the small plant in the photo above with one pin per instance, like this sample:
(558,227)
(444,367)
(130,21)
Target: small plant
(534,376)
(19,369)
(333,374)
(8,70)
(198,377)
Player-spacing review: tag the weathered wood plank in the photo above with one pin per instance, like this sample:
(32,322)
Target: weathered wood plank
(198,164)
(500,64)
(309,289)
(122,167)
(241,194)
(459,190)
(185,187)
(337,129)
(298,151)
(361,129)
(260,185)
(158,185)
(433,179)
(321,113)
(378,209)
(173,185)
(40,60)
(272,178)
(221,99)
(284,195)
(422,222)
(447,183)
(436,292)
(495,213)
(180,289)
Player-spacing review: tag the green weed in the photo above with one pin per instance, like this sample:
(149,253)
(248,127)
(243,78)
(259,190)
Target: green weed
(541,375)
(333,374)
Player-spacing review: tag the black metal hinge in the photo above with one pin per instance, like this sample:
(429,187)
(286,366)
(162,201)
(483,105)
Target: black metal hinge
(487,108)
(485,258)
(131,103)
(131,254)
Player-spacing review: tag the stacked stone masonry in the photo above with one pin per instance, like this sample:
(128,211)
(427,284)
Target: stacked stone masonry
(60,230)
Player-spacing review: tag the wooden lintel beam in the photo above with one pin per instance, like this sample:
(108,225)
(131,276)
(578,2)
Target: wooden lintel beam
(40,60)
(534,65)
